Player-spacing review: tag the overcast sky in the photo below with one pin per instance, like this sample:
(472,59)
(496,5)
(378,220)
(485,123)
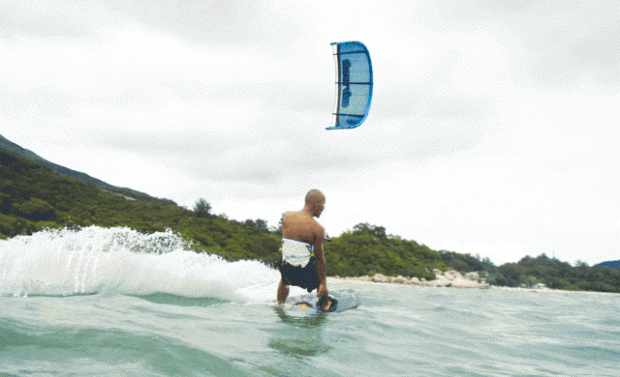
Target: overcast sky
(493,128)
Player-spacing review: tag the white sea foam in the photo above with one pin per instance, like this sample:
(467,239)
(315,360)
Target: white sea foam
(92,260)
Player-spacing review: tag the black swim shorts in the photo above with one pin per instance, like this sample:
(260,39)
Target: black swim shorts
(305,277)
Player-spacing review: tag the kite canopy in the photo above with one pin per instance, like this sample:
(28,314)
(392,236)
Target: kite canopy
(353,84)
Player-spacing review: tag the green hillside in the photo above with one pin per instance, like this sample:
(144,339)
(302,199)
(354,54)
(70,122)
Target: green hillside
(33,196)
(14,149)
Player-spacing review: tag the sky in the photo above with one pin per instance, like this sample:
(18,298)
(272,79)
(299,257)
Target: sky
(493,128)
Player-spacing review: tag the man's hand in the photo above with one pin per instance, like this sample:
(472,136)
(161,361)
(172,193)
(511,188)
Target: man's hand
(324,300)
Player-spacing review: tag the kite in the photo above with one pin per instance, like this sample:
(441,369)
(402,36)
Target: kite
(353,85)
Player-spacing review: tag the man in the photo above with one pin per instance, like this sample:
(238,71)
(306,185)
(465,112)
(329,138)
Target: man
(303,263)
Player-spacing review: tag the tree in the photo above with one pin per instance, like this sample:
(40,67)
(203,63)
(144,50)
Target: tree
(259,224)
(581,264)
(372,230)
(202,208)
(262,225)
(511,273)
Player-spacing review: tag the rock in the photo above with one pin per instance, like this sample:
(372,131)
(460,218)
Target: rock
(473,276)
(453,275)
(450,279)
(465,283)
(380,278)
(442,282)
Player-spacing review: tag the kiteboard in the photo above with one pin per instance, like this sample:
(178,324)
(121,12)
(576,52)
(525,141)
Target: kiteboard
(341,301)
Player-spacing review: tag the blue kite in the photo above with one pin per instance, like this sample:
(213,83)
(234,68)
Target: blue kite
(353,85)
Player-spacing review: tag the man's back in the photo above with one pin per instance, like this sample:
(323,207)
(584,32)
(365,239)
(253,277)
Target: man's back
(297,225)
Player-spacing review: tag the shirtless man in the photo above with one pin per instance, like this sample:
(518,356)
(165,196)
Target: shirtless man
(303,263)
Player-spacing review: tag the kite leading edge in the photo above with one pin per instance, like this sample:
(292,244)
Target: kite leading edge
(353,85)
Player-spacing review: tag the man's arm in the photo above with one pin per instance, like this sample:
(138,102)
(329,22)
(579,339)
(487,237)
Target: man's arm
(320,262)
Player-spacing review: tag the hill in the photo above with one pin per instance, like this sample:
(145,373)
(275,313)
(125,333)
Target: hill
(614,265)
(16,150)
(34,196)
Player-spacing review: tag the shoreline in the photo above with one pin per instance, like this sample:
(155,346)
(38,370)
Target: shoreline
(549,290)
(451,279)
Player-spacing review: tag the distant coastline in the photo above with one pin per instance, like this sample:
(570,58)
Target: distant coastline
(450,279)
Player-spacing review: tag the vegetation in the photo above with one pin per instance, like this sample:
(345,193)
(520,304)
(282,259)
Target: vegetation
(202,208)
(15,150)
(556,274)
(531,271)
(368,250)
(34,196)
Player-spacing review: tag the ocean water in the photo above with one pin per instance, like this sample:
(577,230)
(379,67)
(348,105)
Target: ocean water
(114,302)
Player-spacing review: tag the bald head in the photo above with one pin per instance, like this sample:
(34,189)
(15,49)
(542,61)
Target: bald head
(314,196)
(315,202)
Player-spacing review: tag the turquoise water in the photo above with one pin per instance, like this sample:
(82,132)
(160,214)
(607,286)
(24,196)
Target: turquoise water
(92,303)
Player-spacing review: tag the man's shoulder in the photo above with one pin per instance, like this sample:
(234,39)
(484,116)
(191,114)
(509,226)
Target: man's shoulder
(318,230)
(319,226)
(289,213)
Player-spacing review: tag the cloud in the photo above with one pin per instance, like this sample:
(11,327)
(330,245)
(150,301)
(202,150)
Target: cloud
(36,103)
(490,126)
(52,20)
(216,22)
(557,40)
